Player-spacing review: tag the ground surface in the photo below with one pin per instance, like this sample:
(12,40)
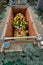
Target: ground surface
(30,55)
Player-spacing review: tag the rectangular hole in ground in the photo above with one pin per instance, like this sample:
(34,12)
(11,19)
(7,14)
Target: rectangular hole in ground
(10,30)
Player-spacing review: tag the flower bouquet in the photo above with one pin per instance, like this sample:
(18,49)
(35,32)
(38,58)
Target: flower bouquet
(19,24)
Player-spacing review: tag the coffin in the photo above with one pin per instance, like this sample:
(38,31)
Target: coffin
(9,33)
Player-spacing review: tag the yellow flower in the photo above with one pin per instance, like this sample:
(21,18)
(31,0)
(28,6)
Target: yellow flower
(21,16)
(17,22)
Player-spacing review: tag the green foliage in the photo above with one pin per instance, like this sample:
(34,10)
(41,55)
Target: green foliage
(2,13)
(39,12)
(31,55)
(32,2)
(3,3)
(19,62)
(29,0)
(9,63)
(41,9)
